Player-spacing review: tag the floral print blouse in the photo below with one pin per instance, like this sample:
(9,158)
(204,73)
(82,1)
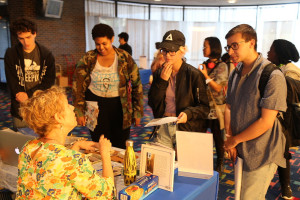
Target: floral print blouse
(56,172)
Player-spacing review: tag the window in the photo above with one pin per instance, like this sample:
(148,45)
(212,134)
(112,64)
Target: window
(133,11)
(166,13)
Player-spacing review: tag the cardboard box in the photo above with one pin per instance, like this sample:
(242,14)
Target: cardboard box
(140,189)
(62,81)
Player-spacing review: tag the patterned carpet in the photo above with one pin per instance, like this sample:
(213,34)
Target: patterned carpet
(141,135)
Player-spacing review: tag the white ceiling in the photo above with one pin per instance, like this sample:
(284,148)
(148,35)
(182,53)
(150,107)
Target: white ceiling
(214,2)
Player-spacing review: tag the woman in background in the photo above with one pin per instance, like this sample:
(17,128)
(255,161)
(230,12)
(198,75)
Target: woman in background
(282,53)
(216,74)
(49,170)
(230,64)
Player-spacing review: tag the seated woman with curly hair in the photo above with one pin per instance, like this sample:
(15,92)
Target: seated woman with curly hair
(49,170)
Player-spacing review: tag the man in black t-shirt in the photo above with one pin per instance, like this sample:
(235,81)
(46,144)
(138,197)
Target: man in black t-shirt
(123,39)
(29,66)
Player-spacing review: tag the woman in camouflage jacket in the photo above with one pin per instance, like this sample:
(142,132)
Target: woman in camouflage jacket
(109,76)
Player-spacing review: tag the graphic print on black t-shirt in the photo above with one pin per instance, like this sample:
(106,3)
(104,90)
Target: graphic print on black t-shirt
(32,68)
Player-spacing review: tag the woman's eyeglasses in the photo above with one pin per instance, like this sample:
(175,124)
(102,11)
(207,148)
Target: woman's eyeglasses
(165,52)
(234,46)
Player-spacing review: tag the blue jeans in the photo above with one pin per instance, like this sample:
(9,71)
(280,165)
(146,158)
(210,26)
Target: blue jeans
(166,135)
(255,184)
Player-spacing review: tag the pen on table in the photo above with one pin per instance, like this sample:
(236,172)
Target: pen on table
(153,132)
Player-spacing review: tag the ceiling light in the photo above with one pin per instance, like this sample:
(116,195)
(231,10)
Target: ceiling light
(231,1)
(157,0)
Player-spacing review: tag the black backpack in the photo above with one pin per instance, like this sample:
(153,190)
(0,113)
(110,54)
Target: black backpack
(291,118)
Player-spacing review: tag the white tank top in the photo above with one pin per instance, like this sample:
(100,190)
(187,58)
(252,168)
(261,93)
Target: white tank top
(105,80)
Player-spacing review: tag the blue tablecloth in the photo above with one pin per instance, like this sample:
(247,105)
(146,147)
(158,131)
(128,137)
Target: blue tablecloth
(145,74)
(190,188)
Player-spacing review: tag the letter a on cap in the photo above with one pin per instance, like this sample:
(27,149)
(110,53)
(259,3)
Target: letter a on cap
(169,37)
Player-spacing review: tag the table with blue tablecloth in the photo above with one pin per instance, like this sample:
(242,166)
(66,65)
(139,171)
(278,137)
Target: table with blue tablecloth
(190,188)
(184,187)
(145,74)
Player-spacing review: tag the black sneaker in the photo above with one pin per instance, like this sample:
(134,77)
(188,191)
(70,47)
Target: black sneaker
(286,192)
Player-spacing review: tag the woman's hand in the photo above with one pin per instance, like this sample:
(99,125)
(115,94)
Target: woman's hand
(202,68)
(136,121)
(85,145)
(166,71)
(104,146)
(81,121)
(182,118)
(21,96)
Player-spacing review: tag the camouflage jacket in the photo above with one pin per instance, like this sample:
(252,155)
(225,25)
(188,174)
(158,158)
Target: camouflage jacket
(130,88)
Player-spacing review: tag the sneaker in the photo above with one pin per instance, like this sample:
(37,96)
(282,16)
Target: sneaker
(286,192)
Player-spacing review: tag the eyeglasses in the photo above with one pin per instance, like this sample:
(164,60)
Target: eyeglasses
(234,46)
(165,52)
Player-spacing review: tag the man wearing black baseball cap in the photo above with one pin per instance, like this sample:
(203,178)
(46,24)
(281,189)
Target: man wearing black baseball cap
(178,90)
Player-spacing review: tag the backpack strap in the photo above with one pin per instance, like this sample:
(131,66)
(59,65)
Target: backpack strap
(264,78)
(234,72)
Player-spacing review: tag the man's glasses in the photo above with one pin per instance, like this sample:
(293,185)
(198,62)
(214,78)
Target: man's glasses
(165,52)
(234,46)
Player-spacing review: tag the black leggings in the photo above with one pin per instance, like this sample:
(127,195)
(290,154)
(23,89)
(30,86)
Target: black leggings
(214,125)
(285,173)
(110,120)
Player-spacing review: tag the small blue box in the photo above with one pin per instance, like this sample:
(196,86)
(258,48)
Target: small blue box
(140,189)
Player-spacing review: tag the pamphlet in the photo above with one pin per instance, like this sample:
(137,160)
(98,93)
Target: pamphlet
(158,160)
(195,154)
(161,121)
(91,114)
(238,171)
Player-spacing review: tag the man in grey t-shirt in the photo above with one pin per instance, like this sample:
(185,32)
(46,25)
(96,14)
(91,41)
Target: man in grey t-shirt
(253,131)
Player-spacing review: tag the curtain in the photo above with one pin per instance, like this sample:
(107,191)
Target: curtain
(99,8)
(270,22)
(133,11)
(203,14)
(167,13)
(277,22)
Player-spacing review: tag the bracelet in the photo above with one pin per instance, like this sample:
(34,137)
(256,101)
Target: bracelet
(208,80)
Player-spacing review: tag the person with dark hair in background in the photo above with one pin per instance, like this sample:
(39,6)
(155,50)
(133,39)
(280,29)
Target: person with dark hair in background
(253,131)
(158,59)
(123,39)
(282,53)
(178,90)
(29,66)
(110,77)
(216,74)
(230,64)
